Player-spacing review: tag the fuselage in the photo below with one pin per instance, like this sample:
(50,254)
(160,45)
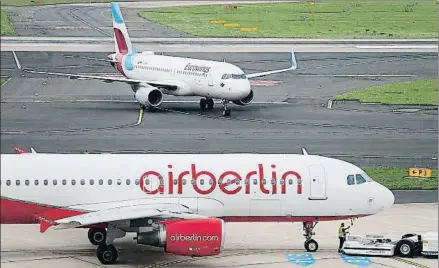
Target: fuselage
(242,187)
(195,77)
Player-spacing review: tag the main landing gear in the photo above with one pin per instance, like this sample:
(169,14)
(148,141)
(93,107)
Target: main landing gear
(104,238)
(209,103)
(310,244)
(206,102)
(107,254)
(97,236)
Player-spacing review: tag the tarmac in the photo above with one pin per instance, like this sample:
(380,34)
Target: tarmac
(290,110)
(247,245)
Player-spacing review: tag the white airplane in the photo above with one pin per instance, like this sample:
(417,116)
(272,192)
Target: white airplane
(180,202)
(151,76)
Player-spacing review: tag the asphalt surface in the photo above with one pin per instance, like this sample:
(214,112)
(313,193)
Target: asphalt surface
(367,136)
(66,20)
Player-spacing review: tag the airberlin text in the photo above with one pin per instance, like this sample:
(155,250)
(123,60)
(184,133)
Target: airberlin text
(196,68)
(193,238)
(229,182)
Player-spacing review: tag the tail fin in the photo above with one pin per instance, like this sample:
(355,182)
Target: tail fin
(121,38)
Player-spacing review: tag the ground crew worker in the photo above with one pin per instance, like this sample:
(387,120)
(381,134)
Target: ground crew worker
(342,235)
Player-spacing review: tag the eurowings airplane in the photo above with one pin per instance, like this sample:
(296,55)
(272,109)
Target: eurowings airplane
(150,76)
(181,202)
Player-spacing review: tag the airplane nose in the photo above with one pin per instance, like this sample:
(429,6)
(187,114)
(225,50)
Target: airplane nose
(388,199)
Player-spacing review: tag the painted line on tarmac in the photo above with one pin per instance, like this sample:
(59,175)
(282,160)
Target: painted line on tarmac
(411,262)
(12,132)
(139,121)
(359,75)
(126,101)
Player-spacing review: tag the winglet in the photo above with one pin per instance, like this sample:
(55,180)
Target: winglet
(18,150)
(293,61)
(304,152)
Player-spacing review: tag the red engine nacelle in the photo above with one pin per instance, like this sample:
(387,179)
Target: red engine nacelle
(198,237)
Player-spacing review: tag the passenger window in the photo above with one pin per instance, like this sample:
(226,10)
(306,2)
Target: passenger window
(26,182)
(17,182)
(8,182)
(282,181)
(246,181)
(92,182)
(210,181)
(264,181)
(202,182)
(360,179)
(36,182)
(162,182)
(82,182)
(175,181)
(54,182)
(273,181)
(101,181)
(255,181)
(238,182)
(46,182)
(351,180)
(290,181)
(73,182)
(119,182)
(137,182)
(64,182)
(193,182)
(128,182)
(110,182)
(220,181)
(184,181)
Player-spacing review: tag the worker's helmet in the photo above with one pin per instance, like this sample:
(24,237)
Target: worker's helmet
(342,224)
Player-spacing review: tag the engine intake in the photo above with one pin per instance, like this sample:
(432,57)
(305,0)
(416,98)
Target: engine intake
(246,100)
(149,96)
(200,237)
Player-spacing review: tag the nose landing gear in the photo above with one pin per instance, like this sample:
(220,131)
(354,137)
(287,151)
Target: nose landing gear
(206,102)
(310,244)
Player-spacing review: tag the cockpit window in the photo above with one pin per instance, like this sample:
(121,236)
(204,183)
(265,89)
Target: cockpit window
(360,179)
(233,76)
(366,177)
(351,180)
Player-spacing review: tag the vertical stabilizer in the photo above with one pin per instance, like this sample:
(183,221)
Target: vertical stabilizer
(121,38)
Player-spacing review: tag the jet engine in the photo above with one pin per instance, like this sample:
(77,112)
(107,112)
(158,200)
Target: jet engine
(246,100)
(149,96)
(195,237)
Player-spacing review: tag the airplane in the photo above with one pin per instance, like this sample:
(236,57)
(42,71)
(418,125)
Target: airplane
(150,75)
(181,202)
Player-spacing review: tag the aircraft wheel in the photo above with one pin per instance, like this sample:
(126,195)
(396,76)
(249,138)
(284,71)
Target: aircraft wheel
(107,254)
(203,103)
(311,245)
(226,113)
(210,104)
(405,248)
(97,236)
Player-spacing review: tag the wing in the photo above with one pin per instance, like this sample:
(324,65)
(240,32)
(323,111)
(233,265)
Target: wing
(164,211)
(163,85)
(292,67)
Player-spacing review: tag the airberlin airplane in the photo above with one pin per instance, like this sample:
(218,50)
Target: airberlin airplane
(150,76)
(180,202)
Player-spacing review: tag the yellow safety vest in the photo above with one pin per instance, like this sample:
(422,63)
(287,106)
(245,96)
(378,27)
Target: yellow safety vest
(341,232)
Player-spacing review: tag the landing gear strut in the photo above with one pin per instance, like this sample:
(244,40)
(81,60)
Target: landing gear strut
(107,254)
(310,244)
(206,102)
(97,236)
(226,111)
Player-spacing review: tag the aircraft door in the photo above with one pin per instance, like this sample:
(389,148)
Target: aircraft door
(317,182)
(210,79)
